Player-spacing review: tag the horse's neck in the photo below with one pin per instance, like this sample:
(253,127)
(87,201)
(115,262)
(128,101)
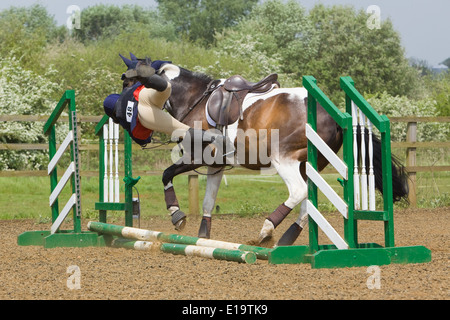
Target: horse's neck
(186,98)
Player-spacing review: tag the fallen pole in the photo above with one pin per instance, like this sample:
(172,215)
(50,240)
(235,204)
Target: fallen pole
(148,235)
(187,250)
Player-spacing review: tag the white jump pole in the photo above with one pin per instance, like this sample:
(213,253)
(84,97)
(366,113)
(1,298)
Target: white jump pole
(355,156)
(111,176)
(105,177)
(371,173)
(362,122)
(111,183)
(116,178)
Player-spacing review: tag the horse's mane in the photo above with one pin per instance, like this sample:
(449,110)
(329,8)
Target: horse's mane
(198,75)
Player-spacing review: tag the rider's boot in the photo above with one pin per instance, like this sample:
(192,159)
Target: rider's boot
(203,138)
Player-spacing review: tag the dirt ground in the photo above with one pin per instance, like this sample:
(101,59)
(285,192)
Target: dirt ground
(34,273)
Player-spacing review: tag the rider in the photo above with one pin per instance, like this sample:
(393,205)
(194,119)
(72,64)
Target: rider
(139,109)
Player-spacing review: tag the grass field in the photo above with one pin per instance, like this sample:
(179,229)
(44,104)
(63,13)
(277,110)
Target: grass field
(27,197)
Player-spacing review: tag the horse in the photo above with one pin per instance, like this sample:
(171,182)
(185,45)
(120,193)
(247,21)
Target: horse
(280,110)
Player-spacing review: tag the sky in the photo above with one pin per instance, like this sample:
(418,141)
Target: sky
(424,25)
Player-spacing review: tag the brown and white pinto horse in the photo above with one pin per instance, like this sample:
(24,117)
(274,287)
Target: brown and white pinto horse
(283,109)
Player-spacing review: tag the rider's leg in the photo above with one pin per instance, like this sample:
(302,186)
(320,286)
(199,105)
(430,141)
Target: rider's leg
(151,115)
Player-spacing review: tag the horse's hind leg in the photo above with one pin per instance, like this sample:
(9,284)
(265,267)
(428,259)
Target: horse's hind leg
(289,171)
(213,181)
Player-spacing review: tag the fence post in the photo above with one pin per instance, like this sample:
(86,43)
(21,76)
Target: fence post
(411,136)
(193,194)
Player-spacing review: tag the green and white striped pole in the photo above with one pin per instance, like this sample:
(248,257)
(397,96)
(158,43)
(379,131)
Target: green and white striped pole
(187,250)
(148,235)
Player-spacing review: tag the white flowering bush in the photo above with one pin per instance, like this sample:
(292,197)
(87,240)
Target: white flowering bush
(22,92)
(401,106)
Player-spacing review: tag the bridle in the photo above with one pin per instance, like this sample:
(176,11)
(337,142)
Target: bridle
(209,89)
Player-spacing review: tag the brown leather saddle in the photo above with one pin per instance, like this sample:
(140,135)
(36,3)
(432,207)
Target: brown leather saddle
(225,103)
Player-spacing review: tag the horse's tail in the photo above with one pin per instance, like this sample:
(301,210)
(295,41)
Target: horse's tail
(399,174)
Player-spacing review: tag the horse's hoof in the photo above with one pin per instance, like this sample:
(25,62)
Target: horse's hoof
(179,226)
(266,232)
(205,228)
(291,234)
(265,241)
(179,220)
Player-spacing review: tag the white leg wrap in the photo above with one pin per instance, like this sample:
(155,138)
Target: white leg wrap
(267,230)
(173,209)
(303,217)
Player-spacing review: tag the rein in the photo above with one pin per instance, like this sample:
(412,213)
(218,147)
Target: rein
(209,89)
(160,144)
(224,168)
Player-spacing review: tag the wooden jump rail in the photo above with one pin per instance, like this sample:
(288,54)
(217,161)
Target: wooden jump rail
(148,235)
(186,250)
(142,239)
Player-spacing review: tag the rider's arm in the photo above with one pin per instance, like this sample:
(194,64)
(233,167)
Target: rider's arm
(155,82)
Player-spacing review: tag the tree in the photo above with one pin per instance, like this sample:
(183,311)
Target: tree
(24,32)
(275,37)
(327,43)
(198,20)
(374,58)
(108,21)
(422,66)
(446,62)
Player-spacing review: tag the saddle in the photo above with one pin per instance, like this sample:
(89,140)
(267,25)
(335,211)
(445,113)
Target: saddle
(225,103)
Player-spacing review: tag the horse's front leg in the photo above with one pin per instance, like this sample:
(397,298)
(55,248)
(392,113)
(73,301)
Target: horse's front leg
(293,232)
(213,181)
(178,216)
(289,171)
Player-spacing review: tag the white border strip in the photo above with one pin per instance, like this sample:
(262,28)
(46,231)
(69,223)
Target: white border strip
(325,226)
(63,213)
(59,153)
(329,154)
(70,170)
(327,190)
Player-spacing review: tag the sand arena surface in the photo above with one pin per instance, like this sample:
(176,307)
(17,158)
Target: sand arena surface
(107,273)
